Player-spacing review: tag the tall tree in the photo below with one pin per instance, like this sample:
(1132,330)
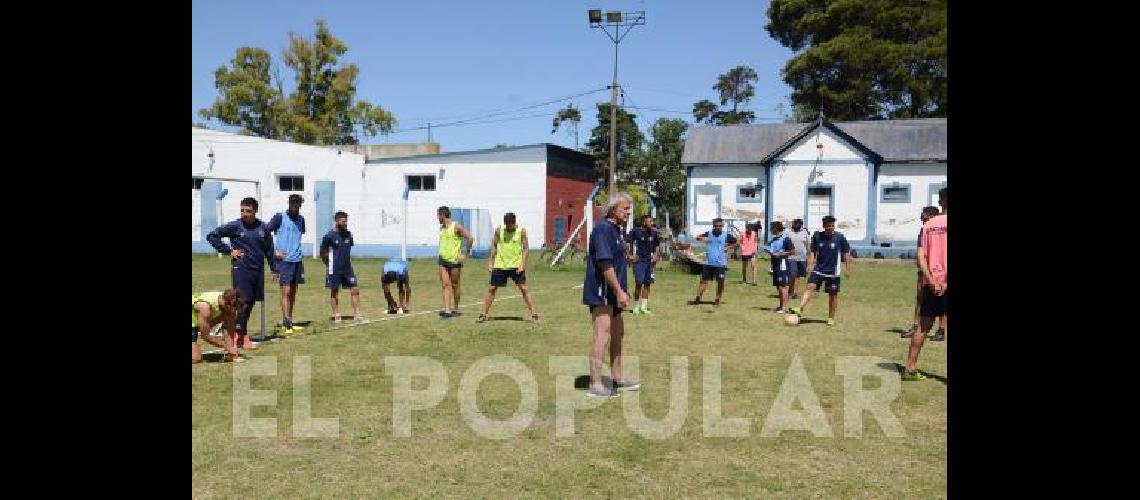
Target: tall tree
(571,115)
(323,108)
(864,59)
(734,86)
(629,141)
(659,167)
(246,98)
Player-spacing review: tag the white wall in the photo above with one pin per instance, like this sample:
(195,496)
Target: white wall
(841,166)
(900,221)
(246,157)
(496,187)
(729,177)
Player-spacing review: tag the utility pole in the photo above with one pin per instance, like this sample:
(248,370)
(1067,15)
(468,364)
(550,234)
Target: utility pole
(616,20)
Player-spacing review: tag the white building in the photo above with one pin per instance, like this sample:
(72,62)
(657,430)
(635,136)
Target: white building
(874,177)
(544,185)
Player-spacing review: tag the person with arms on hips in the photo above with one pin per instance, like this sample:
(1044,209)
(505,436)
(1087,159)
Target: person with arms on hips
(452,235)
(336,252)
(828,252)
(396,271)
(604,292)
(287,228)
(719,243)
(250,244)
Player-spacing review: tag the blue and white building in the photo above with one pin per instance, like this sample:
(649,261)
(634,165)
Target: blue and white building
(874,177)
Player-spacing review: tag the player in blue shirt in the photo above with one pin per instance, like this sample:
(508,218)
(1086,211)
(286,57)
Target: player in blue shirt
(645,241)
(336,252)
(829,250)
(396,271)
(604,291)
(287,228)
(780,247)
(250,243)
(716,263)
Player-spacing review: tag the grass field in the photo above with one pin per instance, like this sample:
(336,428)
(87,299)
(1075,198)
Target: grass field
(444,457)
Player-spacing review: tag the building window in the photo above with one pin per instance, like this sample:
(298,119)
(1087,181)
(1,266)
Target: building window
(421,182)
(197,183)
(291,182)
(750,194)
(896,193)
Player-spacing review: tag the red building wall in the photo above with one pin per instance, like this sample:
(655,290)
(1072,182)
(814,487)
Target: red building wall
(565,198)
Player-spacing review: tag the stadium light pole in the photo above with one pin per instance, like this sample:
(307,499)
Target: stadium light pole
(617,21)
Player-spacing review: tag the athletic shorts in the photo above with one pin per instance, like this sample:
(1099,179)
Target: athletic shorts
(449,264)
(748,257)
(799,267)
(614,312)
(932,305)
(346,279)
(643,272)
(249,284)
(499,277)
(781,278)
(400,278)
(824,283)
(292,273)
(193,334)
(713,272)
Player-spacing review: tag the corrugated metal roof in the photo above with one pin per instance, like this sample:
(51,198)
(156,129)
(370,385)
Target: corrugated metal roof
(894,140)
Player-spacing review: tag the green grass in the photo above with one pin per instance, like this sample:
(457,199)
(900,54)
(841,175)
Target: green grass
(605,458)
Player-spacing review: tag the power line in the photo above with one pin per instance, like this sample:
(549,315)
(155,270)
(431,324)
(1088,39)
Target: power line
(511,110)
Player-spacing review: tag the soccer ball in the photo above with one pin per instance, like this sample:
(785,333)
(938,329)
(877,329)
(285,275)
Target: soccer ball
(791,319)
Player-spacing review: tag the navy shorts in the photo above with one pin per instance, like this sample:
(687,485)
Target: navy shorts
(643,272)
(292,273)
(400,278)
(713,272)
(193,334)
(249,284)
(829,285)
(799,268)
(932,305)
(499,277)
(616,311)
(781,278)
(346,279)
(449,264)
(748,257)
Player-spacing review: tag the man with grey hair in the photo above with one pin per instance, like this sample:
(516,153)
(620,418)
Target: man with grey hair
(604,292)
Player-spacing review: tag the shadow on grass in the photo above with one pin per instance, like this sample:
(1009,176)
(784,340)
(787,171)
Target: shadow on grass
(897,368)
(506,318)
(899,331)
(583,382)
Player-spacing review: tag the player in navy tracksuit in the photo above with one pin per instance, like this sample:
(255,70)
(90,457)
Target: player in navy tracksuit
(604,291)
(250,243)
(336,252)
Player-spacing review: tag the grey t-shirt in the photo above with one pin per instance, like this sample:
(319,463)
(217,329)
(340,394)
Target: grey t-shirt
(800,240)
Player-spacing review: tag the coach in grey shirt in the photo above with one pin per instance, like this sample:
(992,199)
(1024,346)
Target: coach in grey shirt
(800,239)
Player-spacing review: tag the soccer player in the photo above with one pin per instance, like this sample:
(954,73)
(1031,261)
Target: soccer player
(802,240)
(396,271)
(780,247)
(336,252)
(209,310)
(287,228)
(451,257)
(716,263)
(748,244)
(250,243)
(927,214)
(828,251)
(932,260)
(645,242)
(604,292)
(509,251)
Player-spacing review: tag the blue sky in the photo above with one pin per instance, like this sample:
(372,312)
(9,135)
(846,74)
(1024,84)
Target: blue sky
(443,61)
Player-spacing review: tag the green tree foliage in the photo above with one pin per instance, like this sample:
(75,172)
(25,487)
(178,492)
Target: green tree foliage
(322,109)
(734,86)
(571,115)
(629,142)
(659,167)
(864,59)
